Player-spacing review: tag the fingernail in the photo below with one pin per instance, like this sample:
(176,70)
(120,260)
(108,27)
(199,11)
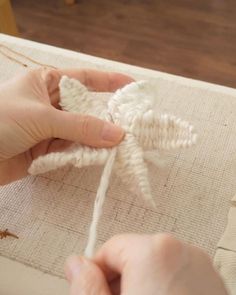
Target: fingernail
(74,265)
(112,133)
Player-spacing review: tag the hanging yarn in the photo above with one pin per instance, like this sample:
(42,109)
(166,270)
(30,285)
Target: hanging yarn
(98,204)
(134,109)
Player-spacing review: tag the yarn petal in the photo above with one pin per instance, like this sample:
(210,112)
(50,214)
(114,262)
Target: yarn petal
(75,97)
(163,132)
(132,169)
(78,156)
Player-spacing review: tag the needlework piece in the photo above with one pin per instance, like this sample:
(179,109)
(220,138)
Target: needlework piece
(51,212)
(134,109)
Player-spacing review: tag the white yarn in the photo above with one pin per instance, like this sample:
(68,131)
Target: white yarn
(77,155)
(98,204)
(134,109)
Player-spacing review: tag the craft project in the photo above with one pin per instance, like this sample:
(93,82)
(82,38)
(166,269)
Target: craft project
(134,109)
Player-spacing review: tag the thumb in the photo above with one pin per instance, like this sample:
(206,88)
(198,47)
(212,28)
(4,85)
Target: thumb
(84,129)
(85,277)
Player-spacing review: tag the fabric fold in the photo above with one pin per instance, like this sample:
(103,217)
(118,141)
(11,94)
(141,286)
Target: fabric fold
(225,257)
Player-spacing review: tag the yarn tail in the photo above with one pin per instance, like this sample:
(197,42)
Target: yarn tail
(99,201)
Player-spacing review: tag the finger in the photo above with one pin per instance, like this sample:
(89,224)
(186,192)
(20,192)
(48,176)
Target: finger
(85,277)
(119,256)
(98,80)
(86,130)
(94,80)
(114,254)
(157,258)
(157,264)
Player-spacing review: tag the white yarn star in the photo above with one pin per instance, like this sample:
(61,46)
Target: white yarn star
(134,109)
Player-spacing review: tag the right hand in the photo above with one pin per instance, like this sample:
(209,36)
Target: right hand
(144,265)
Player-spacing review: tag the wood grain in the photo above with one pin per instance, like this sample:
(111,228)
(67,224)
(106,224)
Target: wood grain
(191,38)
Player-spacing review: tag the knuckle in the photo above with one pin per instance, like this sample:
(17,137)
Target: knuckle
(45,76)
(45,71)
(42,76)
(48,74)
(121,242)
(129,248)
(35,73)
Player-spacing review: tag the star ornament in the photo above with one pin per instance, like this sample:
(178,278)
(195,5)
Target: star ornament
(134,108)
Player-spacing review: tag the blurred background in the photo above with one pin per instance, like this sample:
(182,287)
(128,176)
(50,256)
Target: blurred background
(192,38)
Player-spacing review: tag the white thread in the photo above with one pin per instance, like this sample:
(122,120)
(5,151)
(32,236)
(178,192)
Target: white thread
(98,204)
(133,108)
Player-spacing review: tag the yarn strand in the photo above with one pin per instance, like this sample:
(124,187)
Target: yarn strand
(21,55)
(99,201)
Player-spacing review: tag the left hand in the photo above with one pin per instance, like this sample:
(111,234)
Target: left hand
(32,124)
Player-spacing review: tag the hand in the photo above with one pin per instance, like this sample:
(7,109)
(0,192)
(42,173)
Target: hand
(31,123)
(150,265)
